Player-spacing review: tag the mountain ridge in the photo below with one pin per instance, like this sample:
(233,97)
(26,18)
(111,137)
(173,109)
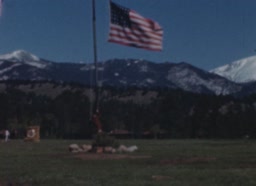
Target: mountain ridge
(117,73)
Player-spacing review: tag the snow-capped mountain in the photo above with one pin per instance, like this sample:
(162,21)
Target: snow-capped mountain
(22,65)
(19,56)
(240,71)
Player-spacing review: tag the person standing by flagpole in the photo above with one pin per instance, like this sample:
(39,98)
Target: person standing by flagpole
(6,134)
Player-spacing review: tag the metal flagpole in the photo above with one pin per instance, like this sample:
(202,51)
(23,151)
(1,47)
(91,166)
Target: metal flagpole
(95,106)
(95,115)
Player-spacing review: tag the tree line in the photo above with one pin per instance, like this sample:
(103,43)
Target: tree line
(168,114)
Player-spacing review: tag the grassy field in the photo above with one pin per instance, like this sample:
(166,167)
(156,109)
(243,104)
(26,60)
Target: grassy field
(157,162)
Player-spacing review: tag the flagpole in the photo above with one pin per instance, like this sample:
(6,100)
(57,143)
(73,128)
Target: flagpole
(96,100)
(95,115)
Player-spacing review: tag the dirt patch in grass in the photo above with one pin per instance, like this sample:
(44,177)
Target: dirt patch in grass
(190,160)
(103,156)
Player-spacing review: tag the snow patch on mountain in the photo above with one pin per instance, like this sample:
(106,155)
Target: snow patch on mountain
(37,64)
(87,67)
(9,68)
(144,68)
(240,71)
(149,80)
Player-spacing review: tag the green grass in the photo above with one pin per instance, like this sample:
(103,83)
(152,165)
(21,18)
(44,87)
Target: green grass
(171,162)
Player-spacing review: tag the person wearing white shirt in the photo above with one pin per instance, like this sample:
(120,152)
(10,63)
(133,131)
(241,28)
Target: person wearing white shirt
(7,134)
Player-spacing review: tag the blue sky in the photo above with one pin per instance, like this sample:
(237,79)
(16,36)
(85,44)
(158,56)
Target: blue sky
(204,33)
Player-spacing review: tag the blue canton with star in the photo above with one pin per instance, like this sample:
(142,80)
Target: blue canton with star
(120,15)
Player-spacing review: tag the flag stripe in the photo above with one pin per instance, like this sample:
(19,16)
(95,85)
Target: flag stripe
(137,45)
(127,27)
(141,40)
(135,32)
(136,40)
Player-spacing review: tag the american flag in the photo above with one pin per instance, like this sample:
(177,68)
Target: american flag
(127,27)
